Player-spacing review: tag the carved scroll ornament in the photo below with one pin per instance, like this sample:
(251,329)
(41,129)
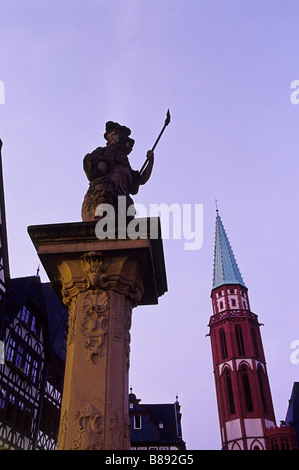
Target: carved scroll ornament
(89,435)
(95,323)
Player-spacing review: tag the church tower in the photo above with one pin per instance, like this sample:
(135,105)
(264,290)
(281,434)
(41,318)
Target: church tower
(242,387)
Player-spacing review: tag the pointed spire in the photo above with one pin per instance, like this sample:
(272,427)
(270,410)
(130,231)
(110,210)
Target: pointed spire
(226,270)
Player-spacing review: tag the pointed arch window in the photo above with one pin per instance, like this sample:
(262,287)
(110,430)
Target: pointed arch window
(240,342)
(246,388)
(223,344)
(256,342)
(230,393)
(262,386)
(274,444)
(284,444)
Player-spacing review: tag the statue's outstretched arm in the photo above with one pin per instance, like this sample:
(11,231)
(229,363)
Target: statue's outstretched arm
(146,173)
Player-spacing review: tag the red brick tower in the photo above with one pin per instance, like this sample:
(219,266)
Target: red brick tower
(243,392)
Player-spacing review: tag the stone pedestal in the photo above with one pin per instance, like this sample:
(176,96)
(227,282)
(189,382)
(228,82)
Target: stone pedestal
(100,281)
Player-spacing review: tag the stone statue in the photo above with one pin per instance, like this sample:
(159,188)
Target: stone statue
(109,172)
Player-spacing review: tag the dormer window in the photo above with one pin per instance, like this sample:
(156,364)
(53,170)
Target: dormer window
(25,315)
(30,320)
(137,422)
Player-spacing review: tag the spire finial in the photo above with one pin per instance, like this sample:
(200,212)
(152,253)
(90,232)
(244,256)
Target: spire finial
(216,204)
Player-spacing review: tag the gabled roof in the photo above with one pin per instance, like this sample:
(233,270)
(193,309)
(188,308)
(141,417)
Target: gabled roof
(226,270)
(31,289)
(22,289)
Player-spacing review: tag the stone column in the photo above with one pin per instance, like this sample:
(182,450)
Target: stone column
(100,281)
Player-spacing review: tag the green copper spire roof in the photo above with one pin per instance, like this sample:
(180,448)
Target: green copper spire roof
(226,270)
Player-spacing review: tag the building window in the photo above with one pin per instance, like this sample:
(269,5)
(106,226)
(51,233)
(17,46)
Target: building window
(20,410)
(3,394)
(230,393)
(240,343)
(19,357)
(25,315)
(33,326)
(11,408)
(137,422)
(262,380)
(223,344)
(11,350)
(27,364)
(274,444)
(233,302)
(246,389)
(284,444)
(34,370)
(30,320)
(28,419)
(221,305)
(255,342)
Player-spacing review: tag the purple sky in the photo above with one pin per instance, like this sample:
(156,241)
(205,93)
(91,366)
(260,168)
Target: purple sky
(224,70)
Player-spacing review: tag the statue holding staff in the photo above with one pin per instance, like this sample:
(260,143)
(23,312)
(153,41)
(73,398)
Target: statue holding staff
(109,171)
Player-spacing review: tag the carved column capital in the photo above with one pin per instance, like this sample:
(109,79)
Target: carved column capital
(95,266)
(99,271)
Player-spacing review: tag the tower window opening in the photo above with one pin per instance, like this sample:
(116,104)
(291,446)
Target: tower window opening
(254,338)
(261,381)
(223,344)
(284,444)
(246,388)
(274,444)
(230,393)
(240,342)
